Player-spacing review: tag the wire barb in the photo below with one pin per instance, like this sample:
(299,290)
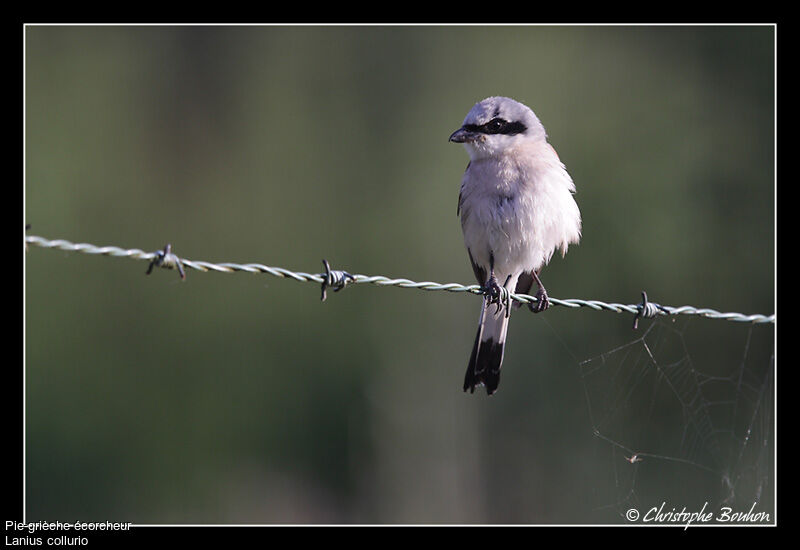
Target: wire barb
(646,310)
(165,258)
(336,280)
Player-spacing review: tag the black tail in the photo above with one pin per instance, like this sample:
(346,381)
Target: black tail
(484,364)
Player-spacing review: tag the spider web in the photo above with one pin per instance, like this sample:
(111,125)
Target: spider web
(684,417)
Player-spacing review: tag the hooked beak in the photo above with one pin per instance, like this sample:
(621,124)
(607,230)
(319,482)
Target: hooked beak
(462,135)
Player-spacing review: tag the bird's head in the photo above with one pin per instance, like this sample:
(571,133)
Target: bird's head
(497,125)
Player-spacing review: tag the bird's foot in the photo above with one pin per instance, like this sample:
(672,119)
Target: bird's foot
(542,301)
(498,295)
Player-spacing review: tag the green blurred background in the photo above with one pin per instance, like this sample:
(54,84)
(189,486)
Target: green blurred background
(243,399)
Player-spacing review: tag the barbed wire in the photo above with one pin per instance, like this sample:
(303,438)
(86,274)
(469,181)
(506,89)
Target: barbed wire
(337,280)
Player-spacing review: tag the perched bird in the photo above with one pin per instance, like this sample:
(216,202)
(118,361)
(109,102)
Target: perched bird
(516,209)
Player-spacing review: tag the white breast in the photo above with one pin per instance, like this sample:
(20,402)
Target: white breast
(520,208)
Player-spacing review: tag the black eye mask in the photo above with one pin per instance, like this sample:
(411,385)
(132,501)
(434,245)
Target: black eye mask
(497,126)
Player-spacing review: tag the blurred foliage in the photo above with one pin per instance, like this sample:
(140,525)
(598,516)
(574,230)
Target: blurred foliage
(243,399)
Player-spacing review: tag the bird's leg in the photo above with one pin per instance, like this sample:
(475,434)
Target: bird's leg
(542,301)
(492,290)
(497,294)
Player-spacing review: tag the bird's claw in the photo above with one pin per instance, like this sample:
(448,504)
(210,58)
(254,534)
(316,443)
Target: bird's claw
(493,292)
(497,295)
(542,301)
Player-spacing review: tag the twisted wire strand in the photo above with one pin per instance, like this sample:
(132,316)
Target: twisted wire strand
(644,309)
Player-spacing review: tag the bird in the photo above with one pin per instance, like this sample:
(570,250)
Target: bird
(516,207)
